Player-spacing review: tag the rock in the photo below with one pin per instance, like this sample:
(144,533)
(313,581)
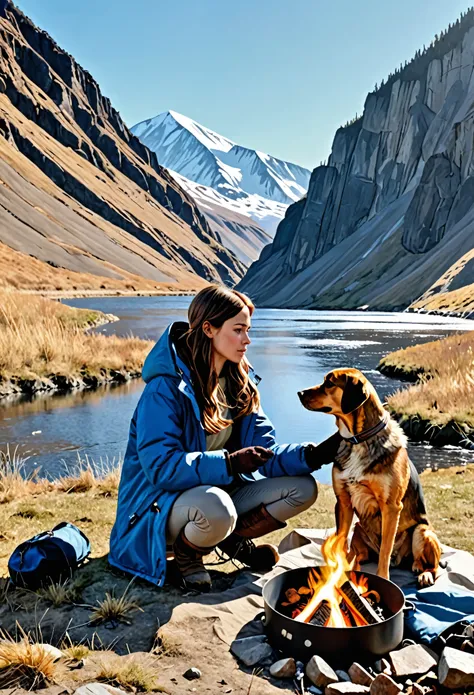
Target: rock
(343,676)
(383,666)
(456,668)
(414,660)
(345,688)
(314,690)
(192,673)
(319,672)
(284,668)
(359,675)
(384,685)
(417,689)
(48,649)
(251,650)
(98,689)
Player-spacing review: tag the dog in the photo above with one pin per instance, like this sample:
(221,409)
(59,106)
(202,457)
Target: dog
(374,477)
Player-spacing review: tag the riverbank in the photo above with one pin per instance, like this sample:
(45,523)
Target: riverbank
(439,406)
(46,346)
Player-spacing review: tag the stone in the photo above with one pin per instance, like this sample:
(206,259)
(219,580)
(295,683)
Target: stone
(99,689)
(456,668)
(383,666)
(342,675)
(359,675)
(284,668)
(251,650)
(345,688)
(319,672)
(384,685)
(417,689)
(414,660)
(49,650)
(314,690)
(192,673)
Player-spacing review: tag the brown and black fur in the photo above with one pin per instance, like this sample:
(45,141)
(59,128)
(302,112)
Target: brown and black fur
(375,479)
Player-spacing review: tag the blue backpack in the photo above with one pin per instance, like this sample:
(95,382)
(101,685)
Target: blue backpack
(51,556)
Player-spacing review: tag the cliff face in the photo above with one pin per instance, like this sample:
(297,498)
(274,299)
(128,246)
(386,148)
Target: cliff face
(79,191)
(393,209)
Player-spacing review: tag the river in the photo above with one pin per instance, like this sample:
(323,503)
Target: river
(290,350)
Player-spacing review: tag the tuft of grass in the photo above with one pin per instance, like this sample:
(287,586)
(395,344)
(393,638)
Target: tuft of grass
(115,609)
(89,474)
(128,674)
(24,664)
(445,389)
(73,651)
(59,593)
(102,476)
(15,482)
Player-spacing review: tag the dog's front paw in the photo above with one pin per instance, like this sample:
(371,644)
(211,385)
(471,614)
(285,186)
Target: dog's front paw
(425,579)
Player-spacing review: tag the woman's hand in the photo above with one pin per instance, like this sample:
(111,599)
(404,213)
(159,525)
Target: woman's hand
(248,460)
(318,455)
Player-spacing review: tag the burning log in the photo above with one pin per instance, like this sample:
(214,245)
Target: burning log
(359,607)
(321,615)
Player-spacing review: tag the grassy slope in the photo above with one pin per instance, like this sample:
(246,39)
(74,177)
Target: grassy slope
(449,496)
(40,337)
(18,271)
(448,394)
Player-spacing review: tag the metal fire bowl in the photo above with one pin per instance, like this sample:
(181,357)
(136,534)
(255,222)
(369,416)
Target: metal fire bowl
(338,646)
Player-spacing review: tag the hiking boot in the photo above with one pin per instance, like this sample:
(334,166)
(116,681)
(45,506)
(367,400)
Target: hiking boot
(239,546)
(188,558)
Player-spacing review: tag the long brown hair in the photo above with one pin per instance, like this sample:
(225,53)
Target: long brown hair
(217,304)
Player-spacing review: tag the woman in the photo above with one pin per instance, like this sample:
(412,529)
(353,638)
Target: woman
(196,438)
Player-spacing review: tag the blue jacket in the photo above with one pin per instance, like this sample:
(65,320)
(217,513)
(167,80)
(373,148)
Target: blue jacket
(166,454)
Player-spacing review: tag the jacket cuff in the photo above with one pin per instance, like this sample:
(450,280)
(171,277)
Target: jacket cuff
(228,463)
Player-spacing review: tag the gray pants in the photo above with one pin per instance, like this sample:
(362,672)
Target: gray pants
(209,514)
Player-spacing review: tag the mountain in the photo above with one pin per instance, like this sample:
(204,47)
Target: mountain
(390,218)
(79,192)
(223,176)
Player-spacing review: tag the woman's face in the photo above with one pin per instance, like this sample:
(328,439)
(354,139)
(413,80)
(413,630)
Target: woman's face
(230,341)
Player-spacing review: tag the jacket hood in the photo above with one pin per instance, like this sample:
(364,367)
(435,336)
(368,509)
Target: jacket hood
(163,360)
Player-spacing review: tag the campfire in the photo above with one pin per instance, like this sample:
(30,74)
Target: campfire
(334,595)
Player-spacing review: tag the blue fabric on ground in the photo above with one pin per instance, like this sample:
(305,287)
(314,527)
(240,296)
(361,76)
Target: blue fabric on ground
(436,608)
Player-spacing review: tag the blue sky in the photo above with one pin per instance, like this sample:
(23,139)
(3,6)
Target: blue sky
(274,75)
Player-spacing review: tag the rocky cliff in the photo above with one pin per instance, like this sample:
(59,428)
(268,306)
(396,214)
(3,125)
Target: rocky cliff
(78,190)
(393,210)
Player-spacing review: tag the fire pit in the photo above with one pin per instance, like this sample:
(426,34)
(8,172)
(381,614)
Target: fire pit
(332,611)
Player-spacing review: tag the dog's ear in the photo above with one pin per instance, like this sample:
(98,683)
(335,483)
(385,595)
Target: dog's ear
(354,395)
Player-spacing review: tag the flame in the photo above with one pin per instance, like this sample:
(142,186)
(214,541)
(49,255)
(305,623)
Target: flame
(361,583)
(324,582)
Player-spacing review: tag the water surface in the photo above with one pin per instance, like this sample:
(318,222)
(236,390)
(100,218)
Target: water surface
(290,350)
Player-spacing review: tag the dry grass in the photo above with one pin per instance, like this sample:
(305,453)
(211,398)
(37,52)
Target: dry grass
(128,674)
(19,271)
(14,481)
(59,593)
(102,476)
(89,474)
(40,337)
(24,664)
(114,609)
(445,391)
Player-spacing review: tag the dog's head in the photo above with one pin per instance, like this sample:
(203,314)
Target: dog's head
(342,392)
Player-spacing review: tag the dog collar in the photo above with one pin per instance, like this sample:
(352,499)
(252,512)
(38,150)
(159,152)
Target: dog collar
(367,434)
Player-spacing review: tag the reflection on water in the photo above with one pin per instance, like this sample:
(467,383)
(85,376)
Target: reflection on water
(290,350)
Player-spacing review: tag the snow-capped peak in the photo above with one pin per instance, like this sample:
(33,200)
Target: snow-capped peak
(208,159)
